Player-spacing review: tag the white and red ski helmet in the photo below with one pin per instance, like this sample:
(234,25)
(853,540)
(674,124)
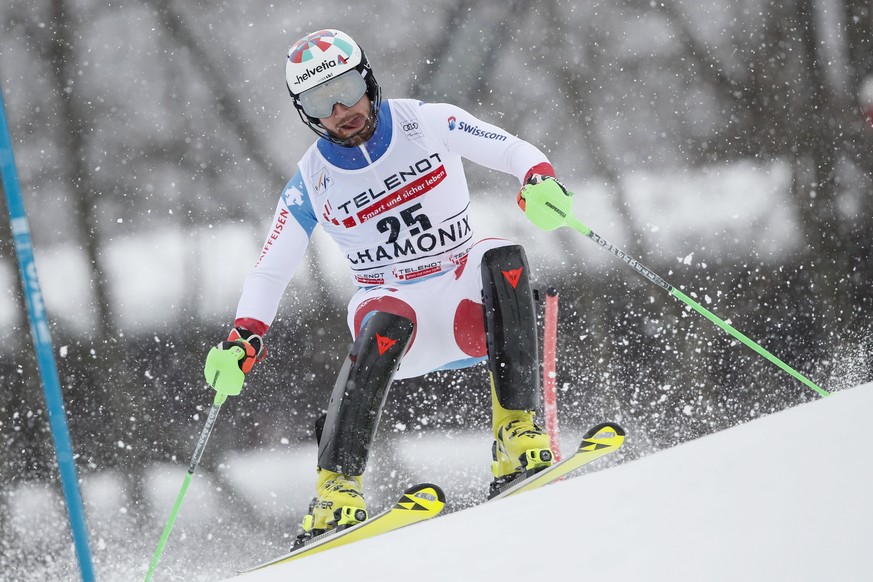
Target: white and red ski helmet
(320,57)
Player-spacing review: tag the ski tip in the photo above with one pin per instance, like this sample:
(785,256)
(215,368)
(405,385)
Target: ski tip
(605,427)
(426,490)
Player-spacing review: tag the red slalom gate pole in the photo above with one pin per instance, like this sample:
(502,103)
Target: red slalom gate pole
(550,398)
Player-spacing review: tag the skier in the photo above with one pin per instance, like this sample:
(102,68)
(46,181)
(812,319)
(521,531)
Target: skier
(385,181)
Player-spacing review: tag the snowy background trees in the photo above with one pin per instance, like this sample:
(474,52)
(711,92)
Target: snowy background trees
(725,144)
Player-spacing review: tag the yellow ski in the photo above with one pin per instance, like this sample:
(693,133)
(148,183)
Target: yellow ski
(418,503)
(599,441)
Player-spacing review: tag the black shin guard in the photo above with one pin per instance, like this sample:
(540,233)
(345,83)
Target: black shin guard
(360,392)
(510,324)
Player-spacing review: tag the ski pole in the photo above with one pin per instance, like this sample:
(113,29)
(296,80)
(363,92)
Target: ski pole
(577,225)
(224,373)
(42,346)
(220,397)
(552,209)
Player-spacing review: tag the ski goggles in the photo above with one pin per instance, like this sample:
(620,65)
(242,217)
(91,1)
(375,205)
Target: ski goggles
(347,89)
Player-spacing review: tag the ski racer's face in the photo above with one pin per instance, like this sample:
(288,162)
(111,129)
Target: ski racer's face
(352,125)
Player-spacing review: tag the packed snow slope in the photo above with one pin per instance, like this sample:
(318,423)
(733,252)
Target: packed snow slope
(786,497)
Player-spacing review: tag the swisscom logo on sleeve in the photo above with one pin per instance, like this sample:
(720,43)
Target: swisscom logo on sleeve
(474,130)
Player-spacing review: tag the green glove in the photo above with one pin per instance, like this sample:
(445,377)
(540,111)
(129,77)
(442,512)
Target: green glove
(546,202)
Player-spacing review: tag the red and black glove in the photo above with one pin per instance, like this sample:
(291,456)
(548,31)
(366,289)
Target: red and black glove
(252,343)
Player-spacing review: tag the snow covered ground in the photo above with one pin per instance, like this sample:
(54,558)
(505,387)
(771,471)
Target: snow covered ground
(786,497)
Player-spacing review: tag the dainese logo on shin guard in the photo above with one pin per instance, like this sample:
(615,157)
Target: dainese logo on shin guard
(384,343)
(513,276)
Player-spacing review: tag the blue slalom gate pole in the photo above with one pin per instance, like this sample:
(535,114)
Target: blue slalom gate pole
(42,343)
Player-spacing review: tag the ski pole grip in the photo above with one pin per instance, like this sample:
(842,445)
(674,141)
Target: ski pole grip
(223,373)
(546,204)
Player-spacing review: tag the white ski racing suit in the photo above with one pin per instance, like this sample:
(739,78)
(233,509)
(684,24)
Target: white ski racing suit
(398,208)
